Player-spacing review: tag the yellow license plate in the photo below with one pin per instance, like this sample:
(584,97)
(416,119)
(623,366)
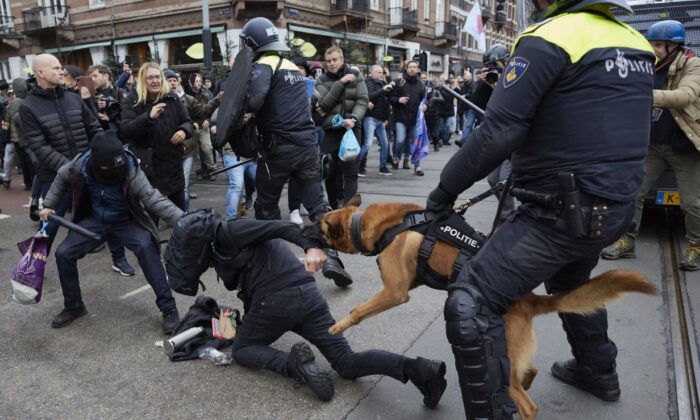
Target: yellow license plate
(668,198)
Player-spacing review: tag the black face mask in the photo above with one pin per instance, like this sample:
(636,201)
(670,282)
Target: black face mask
(114,175)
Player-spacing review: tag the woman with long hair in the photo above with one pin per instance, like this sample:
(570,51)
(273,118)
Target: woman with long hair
(155,123)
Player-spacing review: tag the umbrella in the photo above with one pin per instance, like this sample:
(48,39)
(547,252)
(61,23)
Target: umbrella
(196,51)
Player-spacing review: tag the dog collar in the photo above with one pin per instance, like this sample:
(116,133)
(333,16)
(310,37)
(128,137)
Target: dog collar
(356,235)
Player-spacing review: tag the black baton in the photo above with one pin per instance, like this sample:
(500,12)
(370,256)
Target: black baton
(469,103)
(218,171)
(75,228)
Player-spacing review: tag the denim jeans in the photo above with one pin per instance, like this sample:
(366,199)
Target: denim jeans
(404,138)
(374,126)
(187,170)
(468,127)
(136,238)
(236,183)
(10,160)
(302,310)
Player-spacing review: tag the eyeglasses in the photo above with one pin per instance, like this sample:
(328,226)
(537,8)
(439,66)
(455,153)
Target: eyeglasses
(153,77)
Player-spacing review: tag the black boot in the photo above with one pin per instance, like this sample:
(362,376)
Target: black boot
(335,270)
(429,377)
(601,383)
(170,321)
(302,367)
(66,317)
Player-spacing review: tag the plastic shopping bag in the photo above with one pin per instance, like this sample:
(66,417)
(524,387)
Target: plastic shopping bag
(349,147)
(28,276)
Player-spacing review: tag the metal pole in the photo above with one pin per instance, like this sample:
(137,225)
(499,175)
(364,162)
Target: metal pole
(218,171)
(206,35)
(465,100)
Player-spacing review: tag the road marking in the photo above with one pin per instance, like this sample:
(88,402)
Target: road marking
(135,292)
(5,216)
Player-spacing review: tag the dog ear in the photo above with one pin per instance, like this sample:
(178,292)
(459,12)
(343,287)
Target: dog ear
(335,230)
(356,201)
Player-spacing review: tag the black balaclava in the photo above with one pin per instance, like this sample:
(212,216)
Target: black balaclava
(108,162)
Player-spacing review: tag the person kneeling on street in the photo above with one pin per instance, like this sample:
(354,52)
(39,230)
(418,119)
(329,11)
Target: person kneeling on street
(279,295)
(110,198)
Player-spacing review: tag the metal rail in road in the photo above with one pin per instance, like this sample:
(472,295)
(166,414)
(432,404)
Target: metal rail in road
(685,363)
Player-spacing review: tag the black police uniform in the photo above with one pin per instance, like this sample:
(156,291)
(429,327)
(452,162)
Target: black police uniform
(575,97)
(277,94)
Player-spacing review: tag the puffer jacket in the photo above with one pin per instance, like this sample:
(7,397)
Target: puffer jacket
(334,97)
(682,95)
(19,85)
(57,125)
(139,194)
(143,133)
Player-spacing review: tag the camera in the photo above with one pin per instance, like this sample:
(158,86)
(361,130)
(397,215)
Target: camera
(492,75)
(112,107)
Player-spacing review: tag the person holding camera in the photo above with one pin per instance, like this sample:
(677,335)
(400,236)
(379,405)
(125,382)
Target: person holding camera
(107,98)
(156,123)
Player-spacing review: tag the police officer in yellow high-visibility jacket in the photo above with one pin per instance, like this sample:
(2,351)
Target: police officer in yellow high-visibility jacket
(574,101)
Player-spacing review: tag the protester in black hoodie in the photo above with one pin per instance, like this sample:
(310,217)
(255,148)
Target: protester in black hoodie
(406,98)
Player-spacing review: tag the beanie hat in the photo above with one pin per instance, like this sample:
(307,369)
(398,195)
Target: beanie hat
(107,150)
(169,74)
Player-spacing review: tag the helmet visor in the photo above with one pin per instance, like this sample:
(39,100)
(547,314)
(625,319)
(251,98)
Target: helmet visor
(527,14)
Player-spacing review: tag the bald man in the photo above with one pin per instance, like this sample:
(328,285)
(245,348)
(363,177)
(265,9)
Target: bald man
(58,126)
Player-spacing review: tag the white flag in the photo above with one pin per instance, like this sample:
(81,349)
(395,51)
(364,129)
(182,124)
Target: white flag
(474,26)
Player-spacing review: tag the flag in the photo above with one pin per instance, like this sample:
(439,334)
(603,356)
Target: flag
(474,26)
(421,143)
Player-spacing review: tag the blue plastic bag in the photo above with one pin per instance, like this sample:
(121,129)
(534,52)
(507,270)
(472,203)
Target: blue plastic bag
(349,147)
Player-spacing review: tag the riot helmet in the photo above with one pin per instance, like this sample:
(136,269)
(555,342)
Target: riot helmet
(667,30)
(529,11)
(495,53)
(261,35)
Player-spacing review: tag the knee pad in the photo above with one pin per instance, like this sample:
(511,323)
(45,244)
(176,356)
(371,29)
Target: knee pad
(464,317)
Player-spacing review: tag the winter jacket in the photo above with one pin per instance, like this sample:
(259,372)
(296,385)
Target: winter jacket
(58,126)
(682,95)
(12,118)
(139,195)
(334,97)
(197,111)
(379,98)
(413,88)
(447,107)
(465,90)
(145,134)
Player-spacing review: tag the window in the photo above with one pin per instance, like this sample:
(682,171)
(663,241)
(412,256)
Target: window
(5,71)
(426,11)
(374,4)
(94,4)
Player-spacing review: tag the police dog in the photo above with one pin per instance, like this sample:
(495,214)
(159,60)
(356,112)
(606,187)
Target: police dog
(398,263)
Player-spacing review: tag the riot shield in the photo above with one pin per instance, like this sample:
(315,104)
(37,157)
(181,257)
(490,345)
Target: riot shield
(233,103)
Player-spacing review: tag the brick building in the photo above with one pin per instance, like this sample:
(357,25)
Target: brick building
(84,32)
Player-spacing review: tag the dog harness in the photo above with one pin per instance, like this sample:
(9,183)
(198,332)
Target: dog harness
(450,228)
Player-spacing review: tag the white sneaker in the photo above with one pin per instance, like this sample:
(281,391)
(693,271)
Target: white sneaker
(295,217)
(302,210)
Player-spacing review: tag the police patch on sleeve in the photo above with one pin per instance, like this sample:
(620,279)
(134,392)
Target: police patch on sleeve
(254,73)
(515,69)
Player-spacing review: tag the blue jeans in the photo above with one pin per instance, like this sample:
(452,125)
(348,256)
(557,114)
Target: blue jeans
(236,183)
(187,170)
(469,119)
(136,238)
(319,135)
(374,126)
(302,310)
(404,138)
(64,204)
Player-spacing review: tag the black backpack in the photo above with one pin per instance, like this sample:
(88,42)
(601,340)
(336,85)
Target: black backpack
(189,250)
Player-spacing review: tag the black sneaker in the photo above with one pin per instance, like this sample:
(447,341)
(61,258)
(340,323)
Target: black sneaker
(384,171)
(335,270)
(170,321)
(602,384)
(66,317)
(301,365)
(362,173)
(122,267)
(430,380)
(395,163)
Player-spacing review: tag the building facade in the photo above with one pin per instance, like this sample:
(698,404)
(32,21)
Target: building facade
(390,32)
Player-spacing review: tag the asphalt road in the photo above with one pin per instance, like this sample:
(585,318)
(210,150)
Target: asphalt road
(106,365)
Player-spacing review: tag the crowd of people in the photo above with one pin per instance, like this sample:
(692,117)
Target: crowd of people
(127,151)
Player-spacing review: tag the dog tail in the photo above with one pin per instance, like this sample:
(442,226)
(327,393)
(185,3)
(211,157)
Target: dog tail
(593,295)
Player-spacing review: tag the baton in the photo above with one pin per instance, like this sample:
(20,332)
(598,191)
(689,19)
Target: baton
(469,103)
(470,202)
(75,228)
(218,171)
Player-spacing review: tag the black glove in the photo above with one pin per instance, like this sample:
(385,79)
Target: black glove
(440,200)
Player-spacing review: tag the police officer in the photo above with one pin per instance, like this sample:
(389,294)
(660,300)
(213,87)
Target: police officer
(277,95)
(573,109)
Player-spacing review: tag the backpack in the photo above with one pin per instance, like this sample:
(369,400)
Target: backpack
(189,250)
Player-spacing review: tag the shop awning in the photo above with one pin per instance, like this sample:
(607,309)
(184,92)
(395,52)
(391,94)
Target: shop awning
(334,34)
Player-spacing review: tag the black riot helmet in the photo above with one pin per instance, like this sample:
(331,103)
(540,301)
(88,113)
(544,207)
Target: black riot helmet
(562,6)
(495,53)
(261,35)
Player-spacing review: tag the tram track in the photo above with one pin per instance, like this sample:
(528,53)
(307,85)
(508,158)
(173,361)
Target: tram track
(683,336)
